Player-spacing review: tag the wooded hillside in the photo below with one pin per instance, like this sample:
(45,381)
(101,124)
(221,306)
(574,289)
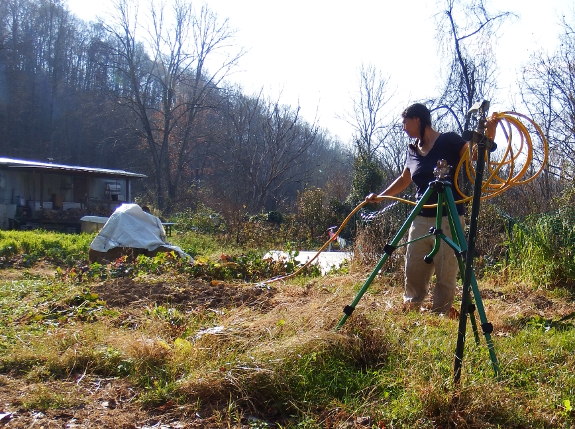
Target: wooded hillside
(149,91)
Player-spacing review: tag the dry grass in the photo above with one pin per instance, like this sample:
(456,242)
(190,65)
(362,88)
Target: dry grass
(272,357)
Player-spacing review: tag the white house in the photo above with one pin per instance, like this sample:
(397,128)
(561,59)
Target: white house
(56,196)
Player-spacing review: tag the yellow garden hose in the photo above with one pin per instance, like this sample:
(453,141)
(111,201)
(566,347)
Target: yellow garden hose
(322,248)
(524,154)
(509,169)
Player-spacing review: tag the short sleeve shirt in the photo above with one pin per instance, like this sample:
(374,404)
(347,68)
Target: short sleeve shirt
(447,146)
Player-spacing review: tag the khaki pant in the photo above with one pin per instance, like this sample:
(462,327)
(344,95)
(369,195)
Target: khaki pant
(418,273)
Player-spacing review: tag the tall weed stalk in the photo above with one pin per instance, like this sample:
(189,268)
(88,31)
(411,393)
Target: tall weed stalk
(541,248)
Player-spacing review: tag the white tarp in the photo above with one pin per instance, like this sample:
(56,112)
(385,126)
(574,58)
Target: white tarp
(101,220)
(130,226)
(326,261)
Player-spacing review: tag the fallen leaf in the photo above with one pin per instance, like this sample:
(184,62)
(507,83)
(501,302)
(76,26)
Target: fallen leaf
(168,405)
(453,313)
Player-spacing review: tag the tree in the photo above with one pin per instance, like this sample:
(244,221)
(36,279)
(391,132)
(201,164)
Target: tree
(547,90)
(312,211)
(44,74)
(465,30)
(165,81)
(267,145)
(367,117)
(367,178)
(371,133)
(393,152)
(135,92)
(37,40)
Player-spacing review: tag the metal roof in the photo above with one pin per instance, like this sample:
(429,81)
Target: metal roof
(48,166)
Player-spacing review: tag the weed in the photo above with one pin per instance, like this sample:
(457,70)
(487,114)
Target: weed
(42,398)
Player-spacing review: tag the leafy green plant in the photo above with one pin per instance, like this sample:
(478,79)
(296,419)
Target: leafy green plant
(202,219)
(171,315)
(27,247)
(250,266)
(542,248)
(86,307)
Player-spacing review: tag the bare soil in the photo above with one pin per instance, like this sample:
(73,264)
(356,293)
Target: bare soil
(183,292)
(108,403)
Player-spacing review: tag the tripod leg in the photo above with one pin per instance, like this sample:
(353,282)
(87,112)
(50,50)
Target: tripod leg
(471,312)
(389,248)
(451,263)
(470,306)
(485,325)
(455,226)
(438,221)
(469,284)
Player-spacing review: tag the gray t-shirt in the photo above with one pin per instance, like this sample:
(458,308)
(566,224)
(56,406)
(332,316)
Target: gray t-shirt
(447,146)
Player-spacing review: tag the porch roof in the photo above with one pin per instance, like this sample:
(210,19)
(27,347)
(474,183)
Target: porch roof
(63,168)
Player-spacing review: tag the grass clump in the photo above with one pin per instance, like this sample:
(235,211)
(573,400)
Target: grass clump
(24,248)
(43,398)
(541,248)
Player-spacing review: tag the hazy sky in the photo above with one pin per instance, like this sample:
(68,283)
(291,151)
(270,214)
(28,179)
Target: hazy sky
(311,51)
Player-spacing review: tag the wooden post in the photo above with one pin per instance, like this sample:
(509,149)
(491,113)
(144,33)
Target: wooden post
(41,196)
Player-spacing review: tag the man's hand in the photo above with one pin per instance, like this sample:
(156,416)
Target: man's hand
(374,198)
(491,128)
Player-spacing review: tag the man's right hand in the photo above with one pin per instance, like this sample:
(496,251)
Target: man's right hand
(491,128)
(373,198)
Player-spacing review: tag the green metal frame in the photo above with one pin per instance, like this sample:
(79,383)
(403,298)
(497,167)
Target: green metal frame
(458,244)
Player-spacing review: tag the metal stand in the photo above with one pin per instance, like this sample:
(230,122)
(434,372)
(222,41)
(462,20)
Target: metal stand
(483,143)
(463,251)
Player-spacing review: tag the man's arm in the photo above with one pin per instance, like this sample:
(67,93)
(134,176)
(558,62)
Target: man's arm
(398,185)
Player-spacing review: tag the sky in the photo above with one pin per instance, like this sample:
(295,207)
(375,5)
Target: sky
(309,52)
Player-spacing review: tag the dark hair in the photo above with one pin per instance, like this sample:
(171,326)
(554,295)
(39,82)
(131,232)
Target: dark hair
(419,110)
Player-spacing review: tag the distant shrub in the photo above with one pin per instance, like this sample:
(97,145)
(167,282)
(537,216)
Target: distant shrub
(202,219)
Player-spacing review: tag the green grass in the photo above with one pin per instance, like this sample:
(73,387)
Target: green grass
(541,248)
(201,244)
(31,246)
(285,364)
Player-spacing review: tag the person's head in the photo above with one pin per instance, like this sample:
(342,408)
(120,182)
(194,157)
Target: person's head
(416,118)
